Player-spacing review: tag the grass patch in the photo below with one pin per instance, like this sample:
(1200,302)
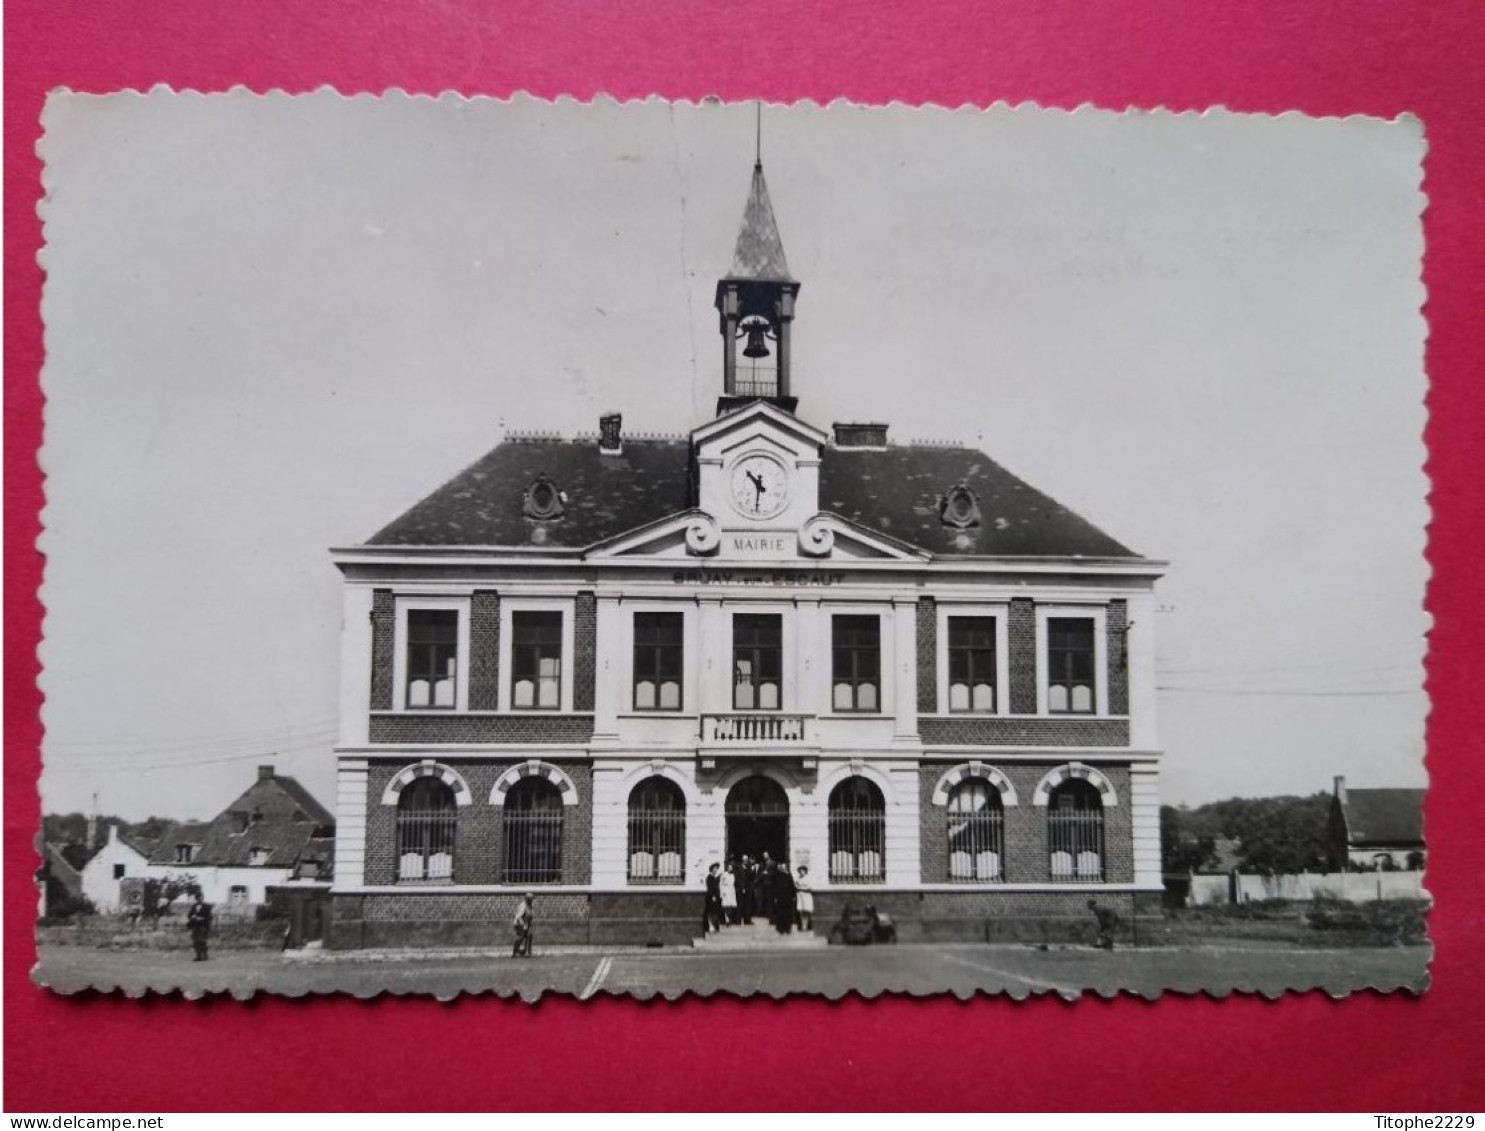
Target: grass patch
(113,932)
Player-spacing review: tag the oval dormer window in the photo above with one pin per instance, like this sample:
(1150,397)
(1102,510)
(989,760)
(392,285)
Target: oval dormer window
(960,507)
(543,499)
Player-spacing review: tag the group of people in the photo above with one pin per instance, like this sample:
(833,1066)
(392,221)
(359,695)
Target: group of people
(748,889)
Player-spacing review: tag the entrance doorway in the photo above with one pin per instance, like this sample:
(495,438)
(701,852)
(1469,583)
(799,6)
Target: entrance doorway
(757,810)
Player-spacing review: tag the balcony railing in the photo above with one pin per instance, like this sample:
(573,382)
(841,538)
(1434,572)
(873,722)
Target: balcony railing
(753,730)
(756,383)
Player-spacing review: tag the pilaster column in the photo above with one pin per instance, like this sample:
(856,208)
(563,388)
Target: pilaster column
(905,671)
(809,667)
(904,841)
(355,665)
(1144,806)
(714,658)
(351,776)
(610,825)
(611,664)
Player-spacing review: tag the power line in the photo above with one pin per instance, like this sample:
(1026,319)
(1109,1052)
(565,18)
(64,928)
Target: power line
(1292,694)
(256,736)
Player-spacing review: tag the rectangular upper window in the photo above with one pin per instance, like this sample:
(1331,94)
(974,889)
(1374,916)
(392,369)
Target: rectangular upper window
(659,652)
(856,663)
(536,661)
(432,658)
(972,665)
(186,853)
(757,661)
(1071,666)
(119,870)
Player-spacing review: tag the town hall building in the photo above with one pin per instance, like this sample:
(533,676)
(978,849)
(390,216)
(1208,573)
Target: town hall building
(589,668)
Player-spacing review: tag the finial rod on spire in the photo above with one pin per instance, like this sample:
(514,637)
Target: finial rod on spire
(758,141)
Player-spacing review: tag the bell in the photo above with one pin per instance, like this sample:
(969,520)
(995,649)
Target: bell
(757,341)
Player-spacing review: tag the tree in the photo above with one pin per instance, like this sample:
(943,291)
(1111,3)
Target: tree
(1272,835)
(1187,842)
(159,894)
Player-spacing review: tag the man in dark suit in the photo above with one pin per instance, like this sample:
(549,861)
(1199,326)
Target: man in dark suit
(763,888)
(745,892)
(198,923)
(711,912)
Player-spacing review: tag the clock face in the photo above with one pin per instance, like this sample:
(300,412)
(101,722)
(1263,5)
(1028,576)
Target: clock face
(760,486)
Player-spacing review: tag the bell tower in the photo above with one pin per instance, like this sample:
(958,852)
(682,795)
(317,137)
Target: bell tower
(755,306)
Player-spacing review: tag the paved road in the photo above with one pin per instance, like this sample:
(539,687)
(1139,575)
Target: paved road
(958,969)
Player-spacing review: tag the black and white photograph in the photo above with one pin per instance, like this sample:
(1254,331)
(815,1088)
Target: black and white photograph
(649,548)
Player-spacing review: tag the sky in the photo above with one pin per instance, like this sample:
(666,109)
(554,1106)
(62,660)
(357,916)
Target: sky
(273,323)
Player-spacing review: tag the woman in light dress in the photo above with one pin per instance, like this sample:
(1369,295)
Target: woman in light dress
(804,899)
(729,896)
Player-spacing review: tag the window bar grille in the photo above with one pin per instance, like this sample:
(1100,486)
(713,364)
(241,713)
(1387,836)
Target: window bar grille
(657,846)
(858,847)
(977,846)
(425,844)
(533,846)
(1075,837)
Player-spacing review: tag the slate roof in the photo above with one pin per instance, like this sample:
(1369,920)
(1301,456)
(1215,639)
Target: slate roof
(606,495)
(1383,816)
(221,846)
(306,801)
(142,845)
(61,870)
(759,255)
(275,813)
(894,491)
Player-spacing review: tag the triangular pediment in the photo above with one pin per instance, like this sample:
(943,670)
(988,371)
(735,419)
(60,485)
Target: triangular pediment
(665,538)
(755,419)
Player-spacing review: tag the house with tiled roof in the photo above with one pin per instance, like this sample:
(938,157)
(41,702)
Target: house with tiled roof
(592,667)
(58,879)
(1377,829)
(121,857)
(275,831)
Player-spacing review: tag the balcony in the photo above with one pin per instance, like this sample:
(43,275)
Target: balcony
(755,729)
(756,383)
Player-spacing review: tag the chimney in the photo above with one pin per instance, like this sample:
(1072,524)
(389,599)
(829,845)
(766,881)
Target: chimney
(1340,789)
(265,773)
(610,442)
(860,435)
(113,834)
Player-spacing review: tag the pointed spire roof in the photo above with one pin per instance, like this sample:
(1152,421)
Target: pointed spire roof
(760,253)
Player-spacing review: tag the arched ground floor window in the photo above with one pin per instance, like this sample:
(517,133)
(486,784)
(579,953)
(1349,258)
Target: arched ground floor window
(657,832)
(1075,832)
(858,832)
(533,833)
(976,832)
(427,818)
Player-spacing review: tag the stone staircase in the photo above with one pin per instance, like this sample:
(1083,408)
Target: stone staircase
(758,936)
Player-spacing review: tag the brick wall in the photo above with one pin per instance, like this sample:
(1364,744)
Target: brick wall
(994,916)
(1022,634)
(479,838)
(403,729)
(1117,624)
(383,635)
(995,730)
(927,655)
(484,648)
(584,650)
(433,918)
(1027,858)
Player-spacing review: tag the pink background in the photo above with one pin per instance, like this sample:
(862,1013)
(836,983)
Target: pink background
(1366,1053)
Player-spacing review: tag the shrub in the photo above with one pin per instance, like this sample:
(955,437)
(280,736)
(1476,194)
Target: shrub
(1387,922)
